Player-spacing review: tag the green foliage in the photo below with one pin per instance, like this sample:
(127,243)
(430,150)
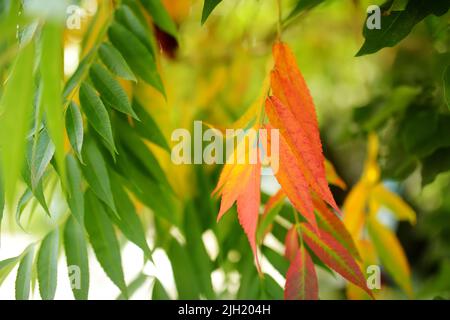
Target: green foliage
(208,7)
(109,182)
(396,25)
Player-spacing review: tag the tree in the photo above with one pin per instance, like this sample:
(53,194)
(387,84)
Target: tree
(96,95)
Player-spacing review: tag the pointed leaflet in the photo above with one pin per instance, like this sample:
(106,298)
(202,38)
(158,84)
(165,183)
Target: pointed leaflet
(6,266)
(96,174)
(334,255)
(75,198)
(300,148)
(136,54)
(208,7)
(96,114)
(301,278)
(271,209)
(355,209)
(75,246)
(158,292)
(47,265)
(115,62)
(294,114)
(128,221)
(135,21)
(42,151)
(110,90)
(248,203)
(333,177)
(292,180)
(15,110)
(74,127)
(391,253)
(147,127)
(331,223)
(23,278)
(103,240)
(52,77)
(394,203)
(160,16)
(291,243)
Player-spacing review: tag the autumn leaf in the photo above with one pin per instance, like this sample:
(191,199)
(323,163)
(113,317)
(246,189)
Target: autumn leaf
(292,111)
(334,255)
(301,278)
(291,243)
(391,253)
(331,223)
(240,182)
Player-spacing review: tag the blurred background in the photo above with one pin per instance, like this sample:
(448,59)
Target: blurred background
(214,72)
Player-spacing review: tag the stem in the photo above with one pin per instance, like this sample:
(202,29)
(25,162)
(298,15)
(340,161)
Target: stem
(279,24)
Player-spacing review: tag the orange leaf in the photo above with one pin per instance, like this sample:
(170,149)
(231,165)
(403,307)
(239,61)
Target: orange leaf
(293,112)
(248,207)
(293,182)
(334,255)
(291,243)
(301,278)
(331,223)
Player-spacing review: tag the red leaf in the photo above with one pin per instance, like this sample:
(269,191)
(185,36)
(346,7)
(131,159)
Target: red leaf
(291,109)
(291,243)
(331,223)
(248,207)
(301,278)
(334,255)
(292,180)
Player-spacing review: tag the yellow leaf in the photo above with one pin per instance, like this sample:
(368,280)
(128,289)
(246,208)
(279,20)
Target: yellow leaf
(355,209)
(394,203)
(332,176)
(391,254)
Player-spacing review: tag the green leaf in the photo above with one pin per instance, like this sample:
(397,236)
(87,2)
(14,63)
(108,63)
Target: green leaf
(435,164)
(75,198)
(303,5)
(136,148)
(128,221)
(96,174)
(103,240)
(196,248)
(208,7)
(158,292)
(6,266)
(75,246)
(41,155)
(136,54)
(47,265)
(396,25)
(97,115)
(23,278)
(51,70)
(74,127)
(115,62)
(160,16)
(184,272)
(446,85)
(2,198)
(14,122)
(76,77)
(147,190)
(147,127)
(110,90)
(134,285)
(127,17)
(23,201)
